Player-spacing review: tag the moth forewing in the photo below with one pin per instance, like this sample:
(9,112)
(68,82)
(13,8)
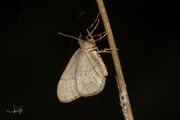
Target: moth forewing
(89,79)
(66,90)
(99,62)
(92,50)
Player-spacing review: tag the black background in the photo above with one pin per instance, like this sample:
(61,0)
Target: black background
(33,57)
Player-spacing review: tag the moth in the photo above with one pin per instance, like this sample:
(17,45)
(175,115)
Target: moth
(85,73)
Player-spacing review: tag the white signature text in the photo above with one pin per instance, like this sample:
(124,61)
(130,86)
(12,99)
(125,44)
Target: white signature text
(16,110)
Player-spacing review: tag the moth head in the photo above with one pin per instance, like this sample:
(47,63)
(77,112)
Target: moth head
(80,41)
(91,41)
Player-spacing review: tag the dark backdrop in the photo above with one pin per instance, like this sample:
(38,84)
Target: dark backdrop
(33,57)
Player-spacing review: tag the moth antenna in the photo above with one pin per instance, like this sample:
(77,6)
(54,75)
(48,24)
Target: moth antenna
(69,36)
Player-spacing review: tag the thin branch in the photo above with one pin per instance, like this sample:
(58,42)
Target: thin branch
(126,108)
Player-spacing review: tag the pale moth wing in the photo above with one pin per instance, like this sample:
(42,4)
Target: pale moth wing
(66,90)
(89,78)
(99,62)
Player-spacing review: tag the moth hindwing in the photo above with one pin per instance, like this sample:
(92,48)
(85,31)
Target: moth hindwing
(85,72)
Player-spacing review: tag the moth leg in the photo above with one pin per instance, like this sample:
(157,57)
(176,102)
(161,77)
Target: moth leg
(105,33)
(90,33)
(92,49)
(100,34)
(106,50)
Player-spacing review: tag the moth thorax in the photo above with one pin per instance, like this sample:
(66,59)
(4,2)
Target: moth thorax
(87,45)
